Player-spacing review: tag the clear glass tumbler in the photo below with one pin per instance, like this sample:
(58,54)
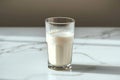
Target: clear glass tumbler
(59,38)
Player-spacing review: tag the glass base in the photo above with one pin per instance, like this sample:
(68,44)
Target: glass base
(66,67)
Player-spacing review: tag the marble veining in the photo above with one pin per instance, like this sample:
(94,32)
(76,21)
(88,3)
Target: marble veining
(80,32)
(36,46)
(42,47)
(88,60)
(99,33)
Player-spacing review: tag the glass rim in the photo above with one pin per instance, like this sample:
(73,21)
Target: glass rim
(67,18)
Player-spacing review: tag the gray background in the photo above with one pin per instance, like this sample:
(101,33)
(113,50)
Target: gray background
(85,12)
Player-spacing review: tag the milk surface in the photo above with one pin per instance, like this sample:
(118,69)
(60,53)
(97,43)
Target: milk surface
(59,47)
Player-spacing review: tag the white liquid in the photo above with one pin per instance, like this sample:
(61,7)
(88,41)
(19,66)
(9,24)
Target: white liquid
(59,47)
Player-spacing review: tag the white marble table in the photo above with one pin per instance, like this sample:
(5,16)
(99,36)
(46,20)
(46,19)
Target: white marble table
(94,58)
(80,32)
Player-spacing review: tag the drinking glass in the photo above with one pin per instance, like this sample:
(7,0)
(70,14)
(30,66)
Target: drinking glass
(59,38)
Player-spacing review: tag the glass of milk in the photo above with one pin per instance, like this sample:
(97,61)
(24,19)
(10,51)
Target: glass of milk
(59,38)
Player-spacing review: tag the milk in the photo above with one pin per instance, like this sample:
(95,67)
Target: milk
(59,47)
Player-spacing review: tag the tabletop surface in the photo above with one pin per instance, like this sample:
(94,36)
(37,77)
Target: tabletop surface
(80,32)
(95,56)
